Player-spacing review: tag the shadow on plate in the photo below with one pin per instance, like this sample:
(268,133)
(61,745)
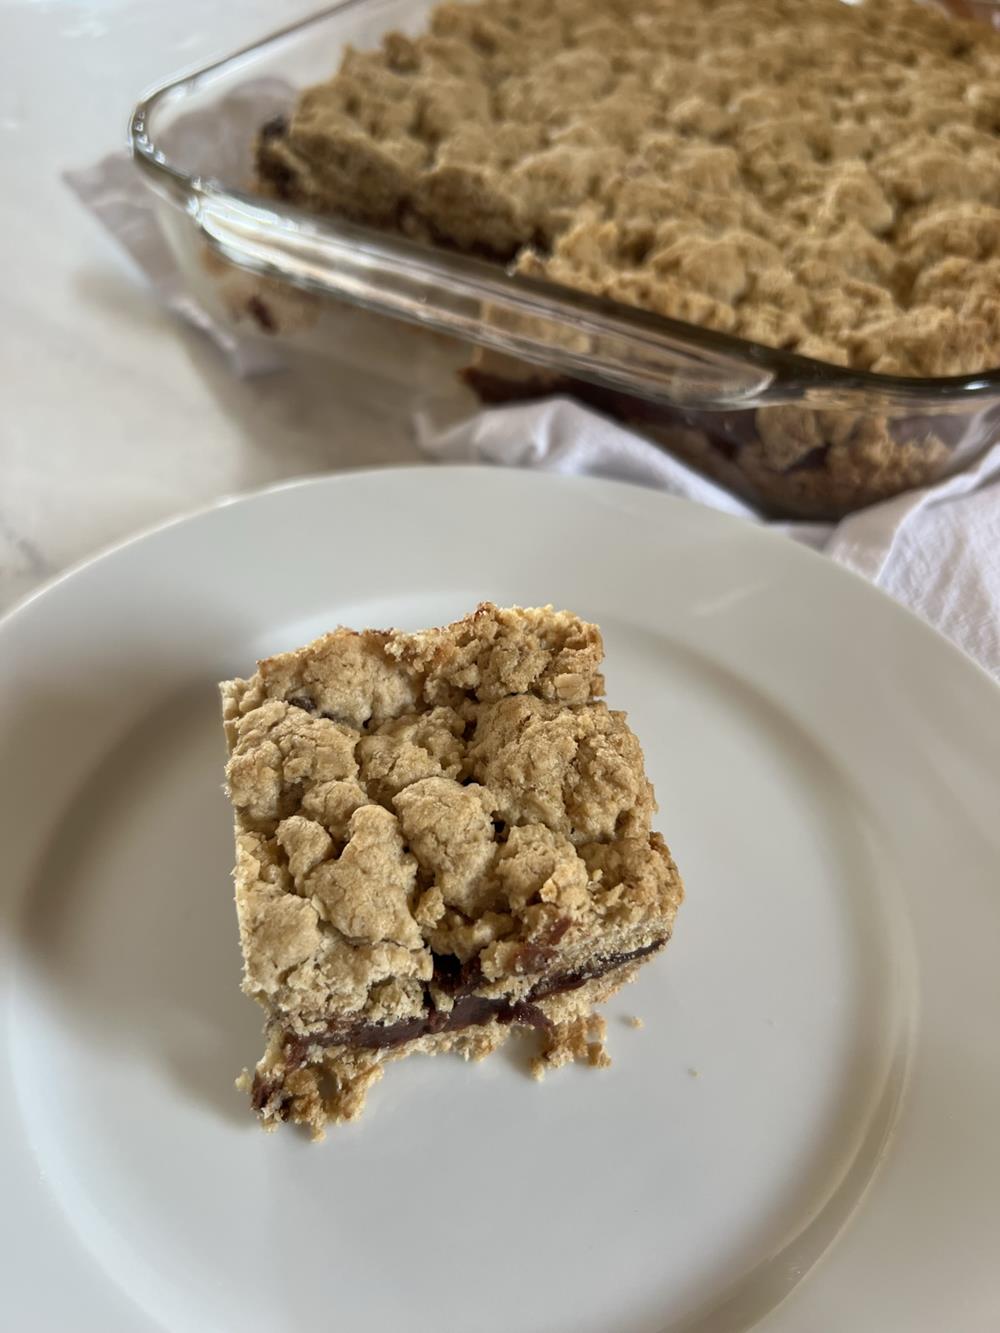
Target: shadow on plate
(129,923)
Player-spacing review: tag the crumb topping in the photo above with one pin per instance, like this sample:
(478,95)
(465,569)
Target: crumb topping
(451,833)
(381,829)
(577,770)
(824,178)
(365,893)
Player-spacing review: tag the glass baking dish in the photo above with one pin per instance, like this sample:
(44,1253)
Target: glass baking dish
(794,436)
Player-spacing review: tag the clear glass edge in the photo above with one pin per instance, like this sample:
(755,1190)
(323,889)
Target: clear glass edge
(786,372)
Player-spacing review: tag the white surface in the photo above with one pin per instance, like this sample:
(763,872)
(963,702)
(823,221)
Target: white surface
(935,550)
(114,413)
(831,800)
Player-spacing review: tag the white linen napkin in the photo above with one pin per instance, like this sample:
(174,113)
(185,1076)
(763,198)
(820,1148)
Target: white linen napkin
(937,550)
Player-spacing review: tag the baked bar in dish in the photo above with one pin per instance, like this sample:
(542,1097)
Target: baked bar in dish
(820,177)
(440,836)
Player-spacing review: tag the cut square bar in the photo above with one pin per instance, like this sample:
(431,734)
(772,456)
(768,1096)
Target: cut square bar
(440,836)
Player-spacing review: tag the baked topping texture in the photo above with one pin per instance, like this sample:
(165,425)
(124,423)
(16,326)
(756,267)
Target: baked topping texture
(437,835)
(820,178)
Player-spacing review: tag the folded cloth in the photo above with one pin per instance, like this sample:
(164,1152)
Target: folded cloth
(936,550)
(216,140)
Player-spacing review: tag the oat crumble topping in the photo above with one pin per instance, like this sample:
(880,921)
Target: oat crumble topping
(823,177)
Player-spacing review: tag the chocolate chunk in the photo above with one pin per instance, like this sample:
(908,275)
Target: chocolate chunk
(533,957)
(268,1092)
(454,977)
(274,128)
(262,315)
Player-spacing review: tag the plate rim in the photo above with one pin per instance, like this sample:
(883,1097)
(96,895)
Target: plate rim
(763,530)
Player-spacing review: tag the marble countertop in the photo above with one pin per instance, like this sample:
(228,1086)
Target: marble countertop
(115,414)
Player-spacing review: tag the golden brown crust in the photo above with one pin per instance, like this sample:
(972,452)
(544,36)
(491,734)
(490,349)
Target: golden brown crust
(824,180)
(507,829)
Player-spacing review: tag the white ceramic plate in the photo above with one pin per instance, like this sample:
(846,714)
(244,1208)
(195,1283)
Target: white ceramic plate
(818,1075)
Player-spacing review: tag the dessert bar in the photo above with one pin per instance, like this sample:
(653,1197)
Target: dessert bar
(440,837)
